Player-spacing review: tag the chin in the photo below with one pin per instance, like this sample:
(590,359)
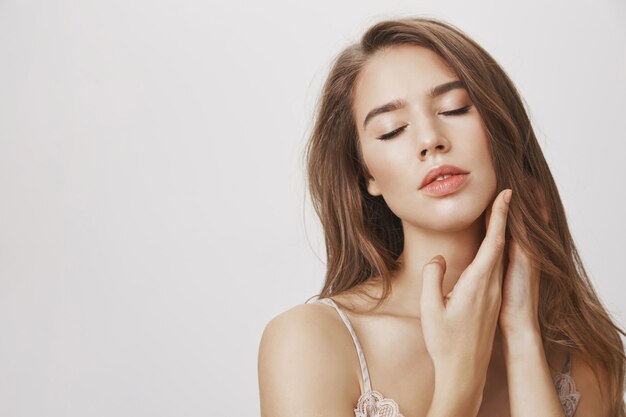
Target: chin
(457,222)
(450,214)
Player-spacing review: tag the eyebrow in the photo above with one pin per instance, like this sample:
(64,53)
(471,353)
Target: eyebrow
(400,103)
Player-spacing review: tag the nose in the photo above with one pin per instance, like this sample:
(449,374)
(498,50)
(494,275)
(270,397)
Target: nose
(430,141)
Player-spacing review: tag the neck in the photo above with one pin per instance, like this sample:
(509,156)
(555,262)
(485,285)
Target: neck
(457,247)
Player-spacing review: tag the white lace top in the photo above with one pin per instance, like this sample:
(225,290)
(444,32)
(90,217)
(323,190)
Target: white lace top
(374,404)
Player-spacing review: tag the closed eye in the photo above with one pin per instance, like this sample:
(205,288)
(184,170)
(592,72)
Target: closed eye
(392,133)
(462,110)
(395,132)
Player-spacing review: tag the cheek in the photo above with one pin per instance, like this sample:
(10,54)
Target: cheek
(488,169)
(393,171)
(391,167)
(483,186)
(475,144)
(385,174)
(483,145)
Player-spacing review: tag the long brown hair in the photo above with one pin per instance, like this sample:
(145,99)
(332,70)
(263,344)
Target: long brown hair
(364,238)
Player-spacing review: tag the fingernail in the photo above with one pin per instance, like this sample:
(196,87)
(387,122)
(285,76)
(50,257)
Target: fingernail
(507,196)
(435,260)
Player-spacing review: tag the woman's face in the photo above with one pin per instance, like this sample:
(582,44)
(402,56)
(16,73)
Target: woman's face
(426,138)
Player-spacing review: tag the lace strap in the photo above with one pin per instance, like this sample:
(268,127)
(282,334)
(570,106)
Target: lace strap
(364,372)
(566,388)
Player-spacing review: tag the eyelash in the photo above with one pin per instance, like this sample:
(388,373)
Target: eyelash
(393,133)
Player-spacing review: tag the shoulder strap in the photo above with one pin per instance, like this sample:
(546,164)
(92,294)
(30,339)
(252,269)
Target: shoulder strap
(566,388)
(364,373)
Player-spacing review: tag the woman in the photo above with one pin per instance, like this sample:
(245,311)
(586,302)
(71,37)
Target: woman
(441,298)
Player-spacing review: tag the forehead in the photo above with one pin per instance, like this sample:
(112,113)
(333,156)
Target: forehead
(401,71)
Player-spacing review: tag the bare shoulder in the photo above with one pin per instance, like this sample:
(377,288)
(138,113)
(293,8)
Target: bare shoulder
(306,364)
(592,382)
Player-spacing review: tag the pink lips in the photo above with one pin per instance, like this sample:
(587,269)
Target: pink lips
(437,171)
(445,186)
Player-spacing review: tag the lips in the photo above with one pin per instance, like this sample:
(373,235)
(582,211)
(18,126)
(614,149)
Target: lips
(437,171)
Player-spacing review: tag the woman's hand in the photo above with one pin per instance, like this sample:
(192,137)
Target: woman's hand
(520,293)
(459,328)
(520,289)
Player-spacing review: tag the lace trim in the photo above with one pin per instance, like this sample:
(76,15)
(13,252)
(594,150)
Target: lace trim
(568,394)
(374,404)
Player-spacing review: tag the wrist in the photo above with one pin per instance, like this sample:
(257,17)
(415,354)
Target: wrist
(521,333)
(457,389)
(449,401)
(519,344)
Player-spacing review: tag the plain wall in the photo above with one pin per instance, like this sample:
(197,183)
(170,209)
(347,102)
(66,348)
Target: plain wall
(153,215)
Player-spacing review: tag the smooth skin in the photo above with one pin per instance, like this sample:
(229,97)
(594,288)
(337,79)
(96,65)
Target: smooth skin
(459,328)
(470,347)
(293,382)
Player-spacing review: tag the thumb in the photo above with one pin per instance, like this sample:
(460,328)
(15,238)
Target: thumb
(432,279)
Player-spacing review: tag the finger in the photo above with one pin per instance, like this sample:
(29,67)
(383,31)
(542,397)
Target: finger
(492,246)
(432,280)
(498,272)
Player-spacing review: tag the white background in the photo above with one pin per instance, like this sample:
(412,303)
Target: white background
(153,216)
